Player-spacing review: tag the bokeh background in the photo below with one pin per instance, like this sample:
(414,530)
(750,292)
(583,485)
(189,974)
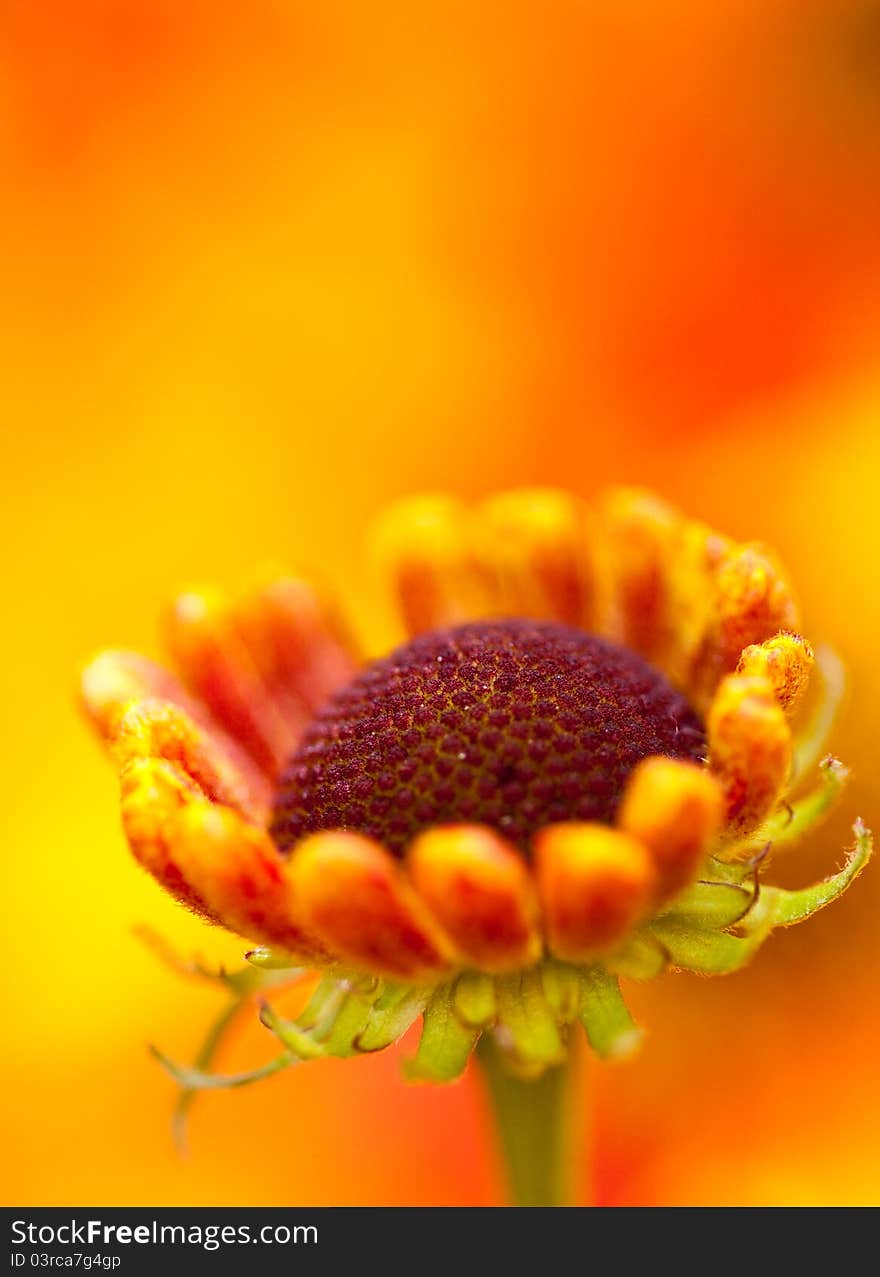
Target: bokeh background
(266,265)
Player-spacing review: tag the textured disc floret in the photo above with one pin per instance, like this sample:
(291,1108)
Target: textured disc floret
(513,724)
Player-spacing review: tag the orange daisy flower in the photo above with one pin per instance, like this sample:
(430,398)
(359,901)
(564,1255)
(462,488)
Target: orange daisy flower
(596,727)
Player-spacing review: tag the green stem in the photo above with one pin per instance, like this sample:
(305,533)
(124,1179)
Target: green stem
(534,1123)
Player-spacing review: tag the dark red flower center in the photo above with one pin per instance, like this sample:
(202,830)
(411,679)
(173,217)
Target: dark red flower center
(513,724)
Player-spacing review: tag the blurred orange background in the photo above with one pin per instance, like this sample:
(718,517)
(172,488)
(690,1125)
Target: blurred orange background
(267,265)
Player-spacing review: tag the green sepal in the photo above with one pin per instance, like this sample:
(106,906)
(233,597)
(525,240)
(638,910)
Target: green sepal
(474,998)
(791,907)
(527,1028)
(711,904)
(738,872)
(333,1021)
(642,957)
(214,1039)
(298,1041)
(811,740)
(612,1032)
(561,989)
(349,1024)
(323,1006)
(446,1042)
(397,1007)
(266,959)
(793,820)
(195,1079)
(705,952)
(241,982)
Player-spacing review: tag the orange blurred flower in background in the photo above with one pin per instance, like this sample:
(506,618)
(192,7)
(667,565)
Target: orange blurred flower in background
(266,267)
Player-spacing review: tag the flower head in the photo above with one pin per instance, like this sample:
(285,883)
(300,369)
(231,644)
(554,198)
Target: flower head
(571,768)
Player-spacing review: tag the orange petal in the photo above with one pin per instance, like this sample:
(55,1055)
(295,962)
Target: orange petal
(214,660)
(696,558)
(641,536)
(235,868)
(296,642)
(154,792)
(752,602)
(114,679)
(786,661)
(749,750)
(160,730)
(423,548)
(674,809)
(209,857)
(352,895)
(480,890)
(594,884)
(539,547)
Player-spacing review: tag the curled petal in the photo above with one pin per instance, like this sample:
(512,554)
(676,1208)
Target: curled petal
(157,729)
(641,537)
(209,856)
(749,750)
(753,601)
(205,641)
(424,550)
(154,792)
(140,709)
(786,661)
(540,553)
(297,644)
(235,868)
(674,809)
(353,896)
(594,884)
(479,889)
(114,679)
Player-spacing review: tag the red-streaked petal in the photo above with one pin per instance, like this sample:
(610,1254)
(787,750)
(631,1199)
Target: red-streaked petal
(235,868)
(214,660)
(749,750)
(423,548)
(752,602)
(116,684)
(594,884)
(153,794)
(296,641)
(641,534)
(353,896)
(697,555)
(675,810)
(479,889)
(161,730)
(539,547)
(114,679)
